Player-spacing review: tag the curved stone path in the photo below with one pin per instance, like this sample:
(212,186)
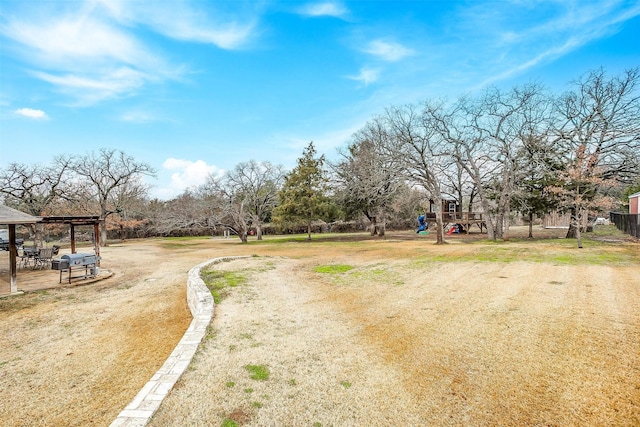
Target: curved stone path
(140,410)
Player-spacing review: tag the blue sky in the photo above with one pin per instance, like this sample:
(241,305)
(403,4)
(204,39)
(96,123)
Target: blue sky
(195,87)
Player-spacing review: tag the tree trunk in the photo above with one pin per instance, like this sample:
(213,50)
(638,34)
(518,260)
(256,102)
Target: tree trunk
(579,237)
(103,231)
(36,231)
(373,225)
(488,218)
(506,218)
(383,223)
(531,225)
(578,230)
(571,232)
(499,226)
(439,226)
(575,227)
(103,221)
(243,236)
(258,225)
(309,231)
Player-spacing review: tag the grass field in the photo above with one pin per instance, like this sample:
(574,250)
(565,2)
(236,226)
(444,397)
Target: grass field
(344,330)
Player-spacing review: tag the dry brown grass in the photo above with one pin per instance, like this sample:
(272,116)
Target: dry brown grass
(414,334)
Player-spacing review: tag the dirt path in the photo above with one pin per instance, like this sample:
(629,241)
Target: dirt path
(77,356)
(395,343)
(405,337)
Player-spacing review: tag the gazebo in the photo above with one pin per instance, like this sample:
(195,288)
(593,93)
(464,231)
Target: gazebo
(11,218)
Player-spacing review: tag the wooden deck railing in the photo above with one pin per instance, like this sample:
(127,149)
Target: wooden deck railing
(467,219)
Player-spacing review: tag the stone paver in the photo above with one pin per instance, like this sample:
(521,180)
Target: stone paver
(140,410)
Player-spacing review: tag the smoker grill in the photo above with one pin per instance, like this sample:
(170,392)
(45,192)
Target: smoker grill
(75,262)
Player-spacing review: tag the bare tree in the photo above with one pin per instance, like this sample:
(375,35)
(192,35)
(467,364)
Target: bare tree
(227,208)
(108,172)
(131,200)
(367,178)
(243,197)
(257,185)
(187,214)
(598,125)
(507,120)
(34,189)
(485,137)
(423,152)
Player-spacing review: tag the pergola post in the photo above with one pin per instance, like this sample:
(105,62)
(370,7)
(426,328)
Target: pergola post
(13,255)
(96,239)
(73,239)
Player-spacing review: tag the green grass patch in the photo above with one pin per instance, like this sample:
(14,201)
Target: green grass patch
(345,384)
(258,372)
(220,282)
(295,238)
(560,252)
(333,268)
(228,423)
(183,242)
(315,238)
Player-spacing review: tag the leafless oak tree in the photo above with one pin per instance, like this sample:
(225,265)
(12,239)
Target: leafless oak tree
(598,125)
(244,197)
(107,173)
(367,178)
(423,152)
(35,188)
(257,184)
(485,137)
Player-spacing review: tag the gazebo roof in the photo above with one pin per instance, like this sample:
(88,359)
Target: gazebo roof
(12,216)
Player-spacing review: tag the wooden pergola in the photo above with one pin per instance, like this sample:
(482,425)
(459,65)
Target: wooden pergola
(75,221)
(12,217)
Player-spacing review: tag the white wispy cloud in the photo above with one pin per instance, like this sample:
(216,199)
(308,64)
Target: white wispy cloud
(90,51)
(188,174)
(138,116)
(507,49)
(85,58)
(366,76)
(32,113)
(184,21)
(324,9)
(78,42)
(89,89)
(388,51)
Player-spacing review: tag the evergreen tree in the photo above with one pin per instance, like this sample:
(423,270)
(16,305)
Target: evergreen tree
(303,197)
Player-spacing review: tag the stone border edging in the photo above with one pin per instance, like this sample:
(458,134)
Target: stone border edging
(140,410)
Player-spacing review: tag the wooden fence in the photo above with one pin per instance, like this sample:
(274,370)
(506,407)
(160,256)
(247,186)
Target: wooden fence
(627,223)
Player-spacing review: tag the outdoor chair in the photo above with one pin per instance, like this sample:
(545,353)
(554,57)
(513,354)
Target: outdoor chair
(28,256)
(43,258)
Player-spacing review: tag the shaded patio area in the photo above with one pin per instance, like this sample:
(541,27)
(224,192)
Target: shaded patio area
(39,280)
(39,255)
